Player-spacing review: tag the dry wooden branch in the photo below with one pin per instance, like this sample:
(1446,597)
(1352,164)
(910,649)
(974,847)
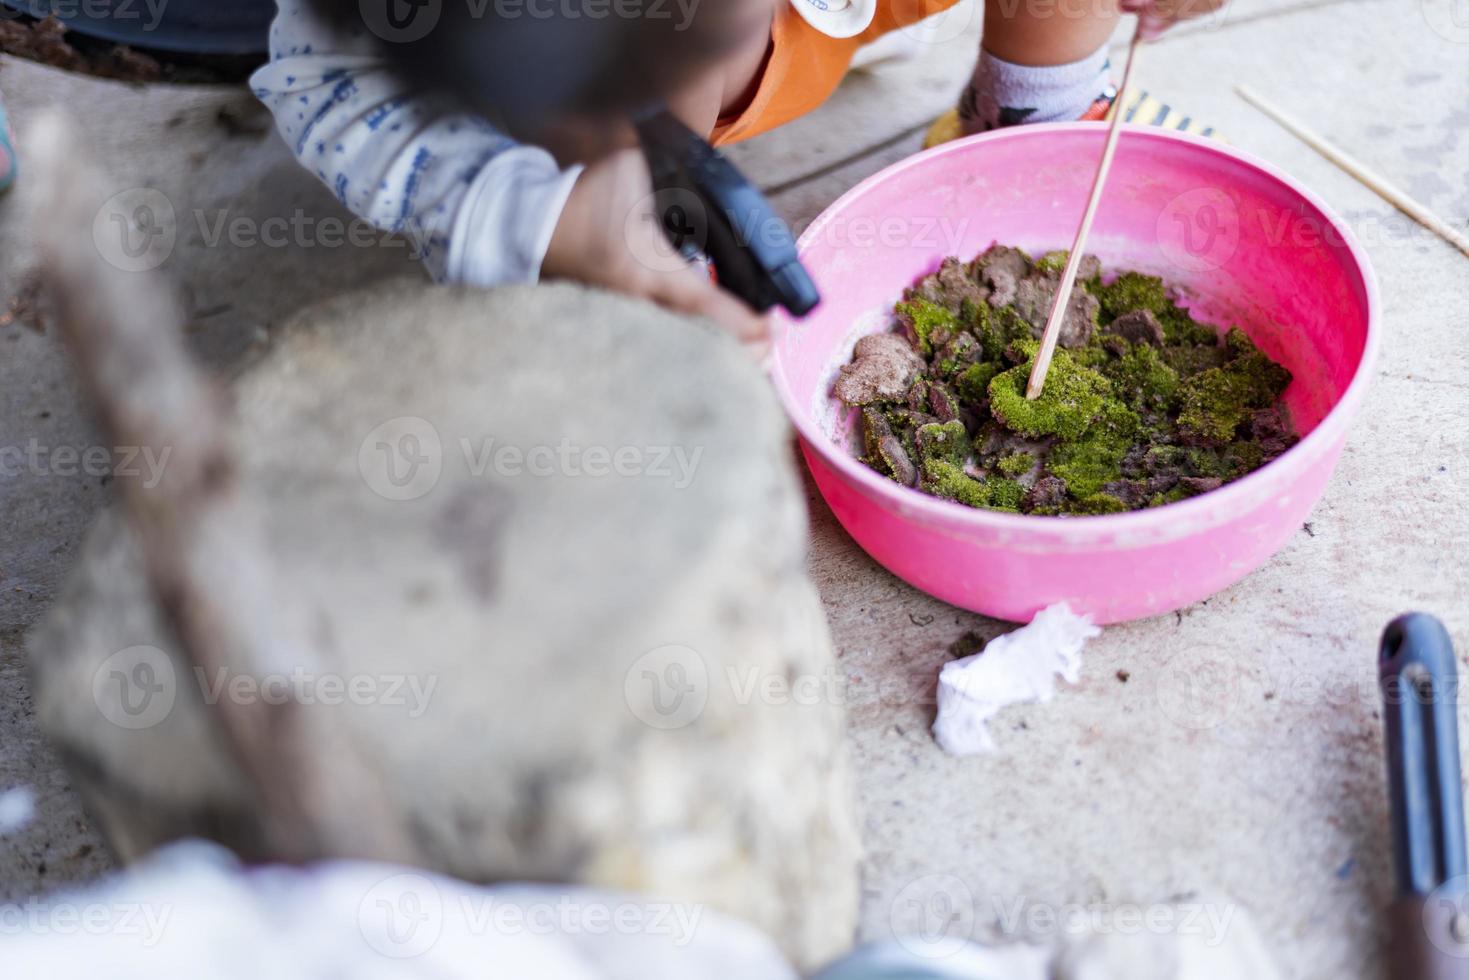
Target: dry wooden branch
(1369,178)
(199,534)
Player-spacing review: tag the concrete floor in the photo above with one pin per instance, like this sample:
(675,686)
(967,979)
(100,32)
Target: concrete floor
(1241,754)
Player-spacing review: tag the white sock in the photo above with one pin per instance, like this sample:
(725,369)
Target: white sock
(1005,94)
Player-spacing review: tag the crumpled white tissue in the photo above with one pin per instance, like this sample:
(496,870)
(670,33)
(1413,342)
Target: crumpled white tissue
(17,810)
(1017,668)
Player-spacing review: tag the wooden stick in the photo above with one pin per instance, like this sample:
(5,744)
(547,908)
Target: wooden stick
(1068,278)
(199,532)
(1369,177)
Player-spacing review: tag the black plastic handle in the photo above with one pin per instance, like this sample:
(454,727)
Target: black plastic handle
(1420,687)
(710,203)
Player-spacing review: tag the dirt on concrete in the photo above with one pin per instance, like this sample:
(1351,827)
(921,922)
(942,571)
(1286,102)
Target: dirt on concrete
(51,43)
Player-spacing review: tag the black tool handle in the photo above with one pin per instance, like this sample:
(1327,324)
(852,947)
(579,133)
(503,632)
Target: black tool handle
(1420,684)
(704,199)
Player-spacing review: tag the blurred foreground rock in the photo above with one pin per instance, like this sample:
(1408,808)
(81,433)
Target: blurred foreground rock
(551,544)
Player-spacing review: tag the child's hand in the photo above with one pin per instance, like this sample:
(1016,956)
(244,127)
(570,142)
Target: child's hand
(1159,15)
(609,236)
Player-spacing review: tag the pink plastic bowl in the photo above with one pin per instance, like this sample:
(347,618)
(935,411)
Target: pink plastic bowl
(1243,243)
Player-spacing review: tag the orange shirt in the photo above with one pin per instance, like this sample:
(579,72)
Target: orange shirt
(805,66)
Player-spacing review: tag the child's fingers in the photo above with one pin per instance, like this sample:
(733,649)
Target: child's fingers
(692,292)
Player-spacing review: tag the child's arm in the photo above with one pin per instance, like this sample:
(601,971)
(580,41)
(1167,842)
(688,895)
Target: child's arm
(480,208)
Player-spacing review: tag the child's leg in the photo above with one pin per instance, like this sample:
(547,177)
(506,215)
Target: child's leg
(1054,34)
(1041,63)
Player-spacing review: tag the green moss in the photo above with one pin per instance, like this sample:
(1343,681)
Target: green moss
(973,382)
(974,317)
(1072,398)
(1095,461)
(946,441)
(1142,378)
(1171,497)
(944,479)
(1216,401)
(1004,494)
(923,319)
(956,355)
(1054,263)
(1243,457)
(1112,410)
(1016,464)
(1181,328)
(1098,503)
(1191,360)
(1003,328)
(1132,291)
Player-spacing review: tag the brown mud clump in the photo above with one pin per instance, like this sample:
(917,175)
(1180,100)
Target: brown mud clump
(1143,405)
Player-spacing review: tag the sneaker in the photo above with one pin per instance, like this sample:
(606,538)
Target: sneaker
(1137,106)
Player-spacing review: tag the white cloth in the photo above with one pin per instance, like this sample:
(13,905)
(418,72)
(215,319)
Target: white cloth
(477,206)
(191,912)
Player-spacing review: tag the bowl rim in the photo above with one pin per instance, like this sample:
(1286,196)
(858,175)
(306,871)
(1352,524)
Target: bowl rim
(1197,512)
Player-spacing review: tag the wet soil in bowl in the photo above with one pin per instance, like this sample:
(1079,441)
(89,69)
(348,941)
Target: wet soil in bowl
(1143,405)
